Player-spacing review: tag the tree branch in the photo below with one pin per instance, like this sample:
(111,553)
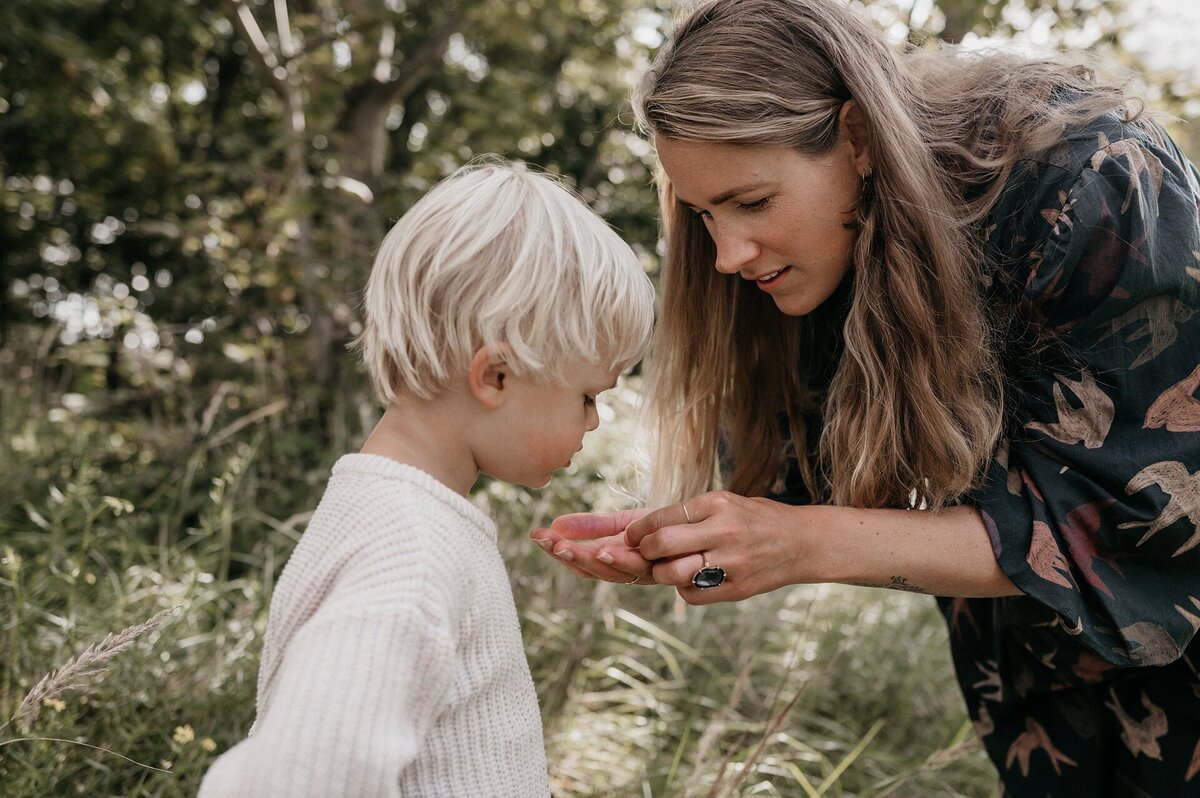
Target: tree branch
(253,36)
(367,98)
(287,44)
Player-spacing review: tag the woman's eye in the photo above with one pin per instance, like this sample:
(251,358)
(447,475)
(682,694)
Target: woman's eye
(757,205)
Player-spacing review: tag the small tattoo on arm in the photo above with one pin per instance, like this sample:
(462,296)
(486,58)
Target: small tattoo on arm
(895,583)
(901,583)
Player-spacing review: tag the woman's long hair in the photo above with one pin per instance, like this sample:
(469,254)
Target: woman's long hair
(915,404)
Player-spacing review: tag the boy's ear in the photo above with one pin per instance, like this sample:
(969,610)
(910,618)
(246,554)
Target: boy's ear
(487,375)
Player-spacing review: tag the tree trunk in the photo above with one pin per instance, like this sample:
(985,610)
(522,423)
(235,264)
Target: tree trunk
(363,149)
(961,18)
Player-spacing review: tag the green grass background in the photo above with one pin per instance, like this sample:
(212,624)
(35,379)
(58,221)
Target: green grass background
(815,690)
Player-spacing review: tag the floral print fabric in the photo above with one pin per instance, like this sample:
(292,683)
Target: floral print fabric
(1087,685)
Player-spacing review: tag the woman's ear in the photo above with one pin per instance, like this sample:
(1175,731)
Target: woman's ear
(857,131)
(487,375)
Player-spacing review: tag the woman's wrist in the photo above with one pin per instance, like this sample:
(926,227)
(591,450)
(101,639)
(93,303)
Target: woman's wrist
(819,544)
(842,550)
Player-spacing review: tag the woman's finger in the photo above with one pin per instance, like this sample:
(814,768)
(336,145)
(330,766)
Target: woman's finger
(671,515)
(626,560)
(711,595)
(586,558)
(614,563)
(590,526)
(546,538)
(548,547)
(677,572)
(675,541)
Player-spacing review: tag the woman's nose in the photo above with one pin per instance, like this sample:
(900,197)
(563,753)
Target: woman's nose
(734,251)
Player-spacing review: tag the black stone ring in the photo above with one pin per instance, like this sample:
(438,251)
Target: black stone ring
(708,576)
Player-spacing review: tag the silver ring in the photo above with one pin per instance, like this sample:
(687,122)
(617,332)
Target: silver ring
(709,576)
(632,582)
(685,512)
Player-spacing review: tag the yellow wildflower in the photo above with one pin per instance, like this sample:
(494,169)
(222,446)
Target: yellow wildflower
(184,734)
(208,744)
(56,704)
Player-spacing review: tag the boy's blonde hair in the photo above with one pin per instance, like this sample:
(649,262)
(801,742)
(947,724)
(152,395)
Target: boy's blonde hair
(499,255)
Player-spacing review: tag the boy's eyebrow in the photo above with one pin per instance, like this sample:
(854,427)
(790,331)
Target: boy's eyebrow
(725,196)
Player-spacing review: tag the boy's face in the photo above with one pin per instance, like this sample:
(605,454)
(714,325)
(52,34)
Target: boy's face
(542,424)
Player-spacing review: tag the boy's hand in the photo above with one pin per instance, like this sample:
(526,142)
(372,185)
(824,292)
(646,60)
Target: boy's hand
(593,545)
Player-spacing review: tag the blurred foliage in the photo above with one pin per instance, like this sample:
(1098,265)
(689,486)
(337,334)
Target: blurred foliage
(812,691)
(193,190)
(192,193)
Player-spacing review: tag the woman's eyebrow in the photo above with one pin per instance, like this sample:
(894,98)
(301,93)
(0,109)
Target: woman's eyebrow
(725,196)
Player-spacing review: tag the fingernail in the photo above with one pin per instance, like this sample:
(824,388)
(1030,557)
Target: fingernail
(605,557)
(545,544)
(564,554)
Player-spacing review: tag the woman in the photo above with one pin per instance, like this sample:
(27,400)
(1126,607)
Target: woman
(933,320)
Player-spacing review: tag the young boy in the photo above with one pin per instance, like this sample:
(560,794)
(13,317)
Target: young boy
(497,308)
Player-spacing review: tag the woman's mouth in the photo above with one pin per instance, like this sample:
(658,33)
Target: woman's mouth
(768,280)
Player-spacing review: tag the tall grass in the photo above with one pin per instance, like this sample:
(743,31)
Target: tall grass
(113,518)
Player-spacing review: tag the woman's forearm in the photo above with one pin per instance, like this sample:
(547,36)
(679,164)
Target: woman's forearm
(944,553)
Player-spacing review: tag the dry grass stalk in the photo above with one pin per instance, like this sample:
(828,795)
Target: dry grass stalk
(76,672)
(253,417)
(716,727)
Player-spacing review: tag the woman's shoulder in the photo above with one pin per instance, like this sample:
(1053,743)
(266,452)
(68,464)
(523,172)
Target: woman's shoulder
(1080,143)
(1048,194)
(1104,221)
(1139,146)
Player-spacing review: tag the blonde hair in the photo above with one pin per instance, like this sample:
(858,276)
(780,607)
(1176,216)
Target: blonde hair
(496,254)
(914,404)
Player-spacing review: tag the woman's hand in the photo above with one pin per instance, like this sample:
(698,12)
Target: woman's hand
(593,546)
(763,545)
(756,541)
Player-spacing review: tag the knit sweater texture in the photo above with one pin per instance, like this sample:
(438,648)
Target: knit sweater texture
(393,663)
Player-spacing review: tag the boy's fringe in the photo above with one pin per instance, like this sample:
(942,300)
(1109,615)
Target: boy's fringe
(88,664)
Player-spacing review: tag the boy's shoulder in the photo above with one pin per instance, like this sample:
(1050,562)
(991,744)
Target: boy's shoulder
(374,495)
(382,525)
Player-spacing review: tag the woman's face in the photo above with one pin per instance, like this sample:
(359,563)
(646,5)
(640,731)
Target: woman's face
(777,217)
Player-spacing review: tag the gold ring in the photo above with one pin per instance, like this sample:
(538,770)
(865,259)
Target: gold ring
(685,512)
(633,582)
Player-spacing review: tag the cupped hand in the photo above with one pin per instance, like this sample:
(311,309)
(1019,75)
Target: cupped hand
(593,545)
(756,541)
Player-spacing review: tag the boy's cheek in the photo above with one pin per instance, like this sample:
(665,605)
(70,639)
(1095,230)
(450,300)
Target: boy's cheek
(549,454)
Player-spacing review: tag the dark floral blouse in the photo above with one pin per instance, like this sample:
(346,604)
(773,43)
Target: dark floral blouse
(1085,685)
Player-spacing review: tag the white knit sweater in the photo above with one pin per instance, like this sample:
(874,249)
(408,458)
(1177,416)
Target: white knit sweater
(393,662)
